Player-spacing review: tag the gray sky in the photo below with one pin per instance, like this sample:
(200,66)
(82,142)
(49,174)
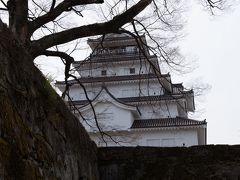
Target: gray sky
(214,42)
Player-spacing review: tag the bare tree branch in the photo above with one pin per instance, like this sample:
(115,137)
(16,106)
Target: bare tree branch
(4,4)
(89,30)
(58,54)
(3,9)
(58,10)
(68,61)
(53,5)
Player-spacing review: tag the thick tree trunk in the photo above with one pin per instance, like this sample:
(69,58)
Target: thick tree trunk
(39,137)
(18,22)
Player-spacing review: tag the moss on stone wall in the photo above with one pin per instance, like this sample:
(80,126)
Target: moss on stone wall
(39,137)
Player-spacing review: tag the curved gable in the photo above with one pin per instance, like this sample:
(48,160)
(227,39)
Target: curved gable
(105,96)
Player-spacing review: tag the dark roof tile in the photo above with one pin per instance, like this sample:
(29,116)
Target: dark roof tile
(114,78)
(166,122)
(111,58)
(142,98)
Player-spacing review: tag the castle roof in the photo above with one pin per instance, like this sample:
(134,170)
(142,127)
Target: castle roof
(113,37)
(143,98)
(114,78)
(114,58)
(114,40)
(177,85)
(166,122)
(155,98)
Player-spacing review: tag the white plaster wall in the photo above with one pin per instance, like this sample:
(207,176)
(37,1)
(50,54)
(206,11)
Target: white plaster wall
(182,137)
(114,69)
(158,110)
(118,90)
(117,118)
(123,139)
(132,89)
(74,93)
(156,138)
(181,109)
(77,93)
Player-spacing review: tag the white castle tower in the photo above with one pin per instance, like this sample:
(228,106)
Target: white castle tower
(131,102)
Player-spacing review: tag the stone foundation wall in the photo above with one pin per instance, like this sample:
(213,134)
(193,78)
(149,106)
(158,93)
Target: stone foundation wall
(176,163)
(39,137)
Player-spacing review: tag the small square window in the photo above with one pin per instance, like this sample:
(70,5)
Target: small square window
(132,70)
(104,73)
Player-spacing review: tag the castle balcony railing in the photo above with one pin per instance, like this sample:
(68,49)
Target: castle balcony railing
(117,53)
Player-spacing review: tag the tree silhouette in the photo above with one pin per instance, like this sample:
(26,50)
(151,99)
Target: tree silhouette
(39,137)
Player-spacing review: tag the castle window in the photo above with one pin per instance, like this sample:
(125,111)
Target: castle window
(132,70)
(103,72)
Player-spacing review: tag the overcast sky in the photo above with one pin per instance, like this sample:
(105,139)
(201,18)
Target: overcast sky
(215,44)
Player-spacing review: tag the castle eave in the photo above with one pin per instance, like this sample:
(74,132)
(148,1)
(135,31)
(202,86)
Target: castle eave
(113,58)
(114,78)
(167,122)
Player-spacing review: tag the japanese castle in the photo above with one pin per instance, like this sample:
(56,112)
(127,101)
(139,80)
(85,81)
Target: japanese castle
(129,102)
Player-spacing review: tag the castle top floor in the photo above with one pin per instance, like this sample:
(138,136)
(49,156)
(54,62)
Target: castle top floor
(118,44)
(118,55)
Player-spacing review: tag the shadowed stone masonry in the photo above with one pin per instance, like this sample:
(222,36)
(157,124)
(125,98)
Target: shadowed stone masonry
(220,162)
